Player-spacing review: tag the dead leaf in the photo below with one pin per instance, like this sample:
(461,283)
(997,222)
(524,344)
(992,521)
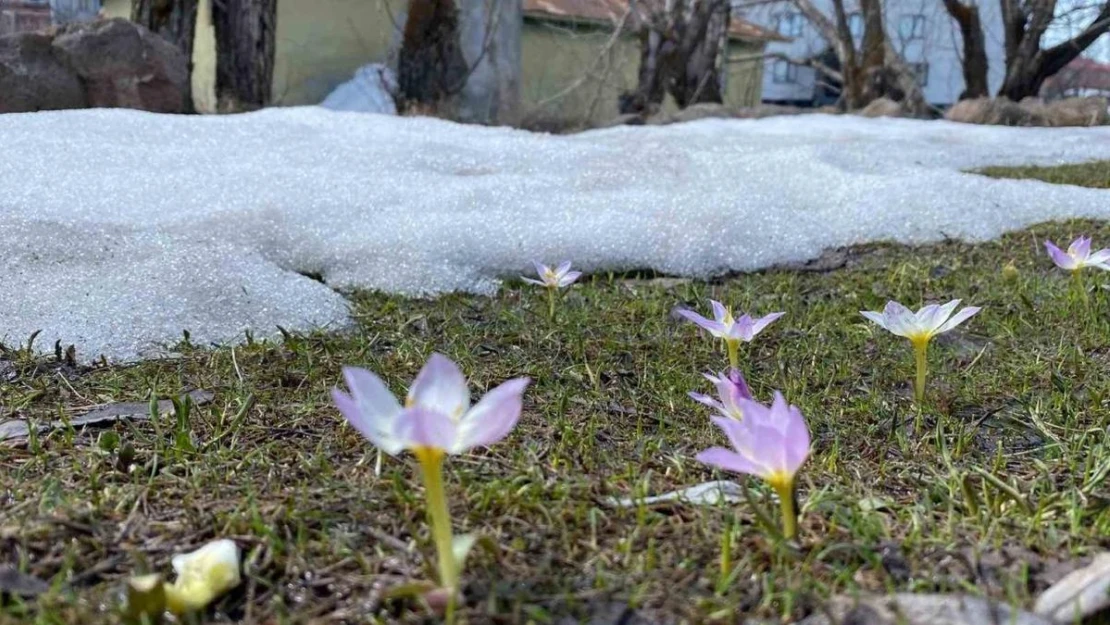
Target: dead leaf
(704,494)
(18,429)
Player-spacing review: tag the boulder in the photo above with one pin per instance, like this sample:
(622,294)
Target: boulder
(1082,594)
(125,65)
(882,107)
(33,79)
(994,112)
(1089,111)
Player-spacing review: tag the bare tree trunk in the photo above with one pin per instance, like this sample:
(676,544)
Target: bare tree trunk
(245,41)
(683,49)
(975,49)
(430,68)
(174,20)
(1027,64)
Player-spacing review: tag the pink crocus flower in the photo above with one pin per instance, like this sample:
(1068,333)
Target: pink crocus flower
(730,329)
(437,413)
(771,443)
(556,278)
(436,420)
(920,327)
(731,388)
(1078,255)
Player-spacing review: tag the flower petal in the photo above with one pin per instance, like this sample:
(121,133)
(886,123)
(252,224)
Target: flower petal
(531,281)
(958,318)
(899,319)
(765,321)
(702,398)
(720,311)
(940,315)
(728,460)
(371,408)
(421,427)
(440,387)
(1080,249)
(1061,258)
(1099,258)
(563,268)
(541,269)
(714,328)
(493,417)
(742,328)
(875,317)
(569,278)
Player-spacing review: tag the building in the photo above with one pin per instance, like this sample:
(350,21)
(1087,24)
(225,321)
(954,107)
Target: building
(24,15)
(1082,77)
(574,68)
(30,15)
(923,32)
(568,72)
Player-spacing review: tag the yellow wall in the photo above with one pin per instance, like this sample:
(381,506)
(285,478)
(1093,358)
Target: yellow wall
(571,80)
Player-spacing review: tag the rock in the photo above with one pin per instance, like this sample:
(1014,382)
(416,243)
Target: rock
(1080,595)
(1089,111)
(125,65)
(370,90)
(912,609)
(1000,112)
(33,79)
(705,110)
(882,107)
(774,110)
(627,119)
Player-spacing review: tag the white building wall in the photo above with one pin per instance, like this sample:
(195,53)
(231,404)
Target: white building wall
(940,46)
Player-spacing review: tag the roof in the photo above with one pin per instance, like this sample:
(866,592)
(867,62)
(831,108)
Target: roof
(1082,73)
(613,11)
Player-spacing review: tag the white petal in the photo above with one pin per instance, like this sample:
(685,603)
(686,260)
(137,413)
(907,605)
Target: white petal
(440,387)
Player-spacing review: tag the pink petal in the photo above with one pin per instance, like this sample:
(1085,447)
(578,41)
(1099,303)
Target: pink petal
(493,417)
(563,267)
(569,279)
(720,312)
(707,400)
(875,317)
(712,326)
(959,318)
(440,387)
(765,321)
(1062,259)
(742,328)
(374,426)
(1080,248)
(899,319)
(728,460)
(421,427)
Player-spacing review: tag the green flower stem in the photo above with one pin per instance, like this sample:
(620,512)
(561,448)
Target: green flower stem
(551,303)
(920,351)
(1077,282)
(785,490)
(431,465)
(733,352)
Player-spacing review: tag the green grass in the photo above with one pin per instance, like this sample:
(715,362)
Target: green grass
(1095,174)
(892,499)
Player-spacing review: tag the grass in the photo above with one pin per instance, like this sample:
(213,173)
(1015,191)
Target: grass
(998,483)
(1095,174)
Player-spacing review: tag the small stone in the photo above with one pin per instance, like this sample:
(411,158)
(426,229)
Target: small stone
(1080,595)
(912,609)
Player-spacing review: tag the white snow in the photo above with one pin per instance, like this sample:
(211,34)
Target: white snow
(120,229)
(368,91)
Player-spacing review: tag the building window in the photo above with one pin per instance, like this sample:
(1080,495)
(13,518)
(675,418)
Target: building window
(790,24)
(784,72)
(921,70)
(911,27)
(855,25)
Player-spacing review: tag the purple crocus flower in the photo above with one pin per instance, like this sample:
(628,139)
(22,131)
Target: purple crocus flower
(724,326)
(1078,255)
(437,413)
(731,388)
(556,278)
(729,329)
(771,443)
